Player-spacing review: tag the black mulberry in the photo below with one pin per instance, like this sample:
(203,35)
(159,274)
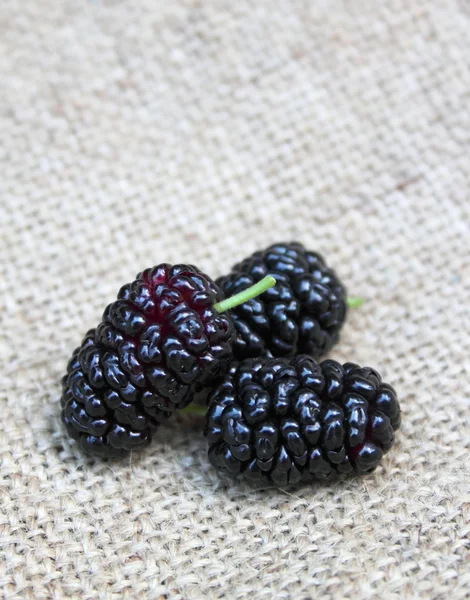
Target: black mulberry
(158,345)
(302,314)
(284,420)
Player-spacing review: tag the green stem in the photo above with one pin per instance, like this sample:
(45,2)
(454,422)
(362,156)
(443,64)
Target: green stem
(355,301)
(251,292)
(195,409)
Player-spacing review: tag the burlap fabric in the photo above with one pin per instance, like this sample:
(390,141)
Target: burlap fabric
(134,133)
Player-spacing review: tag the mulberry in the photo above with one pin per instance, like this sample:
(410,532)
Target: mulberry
(284,420)
(302,314)
(159,344)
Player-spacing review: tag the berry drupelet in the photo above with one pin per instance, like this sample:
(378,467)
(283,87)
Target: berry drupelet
(282,421)
(160,343)
(302,314)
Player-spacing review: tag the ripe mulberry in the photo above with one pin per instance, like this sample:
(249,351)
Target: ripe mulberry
(302,314)
(158,345)
(284,420)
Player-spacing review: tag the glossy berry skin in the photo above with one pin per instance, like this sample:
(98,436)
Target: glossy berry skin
(281,421)
(158,345)
(302,314)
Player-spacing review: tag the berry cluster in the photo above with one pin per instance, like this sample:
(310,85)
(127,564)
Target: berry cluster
(158,345)
(302,314)
(245,344)
(286,420)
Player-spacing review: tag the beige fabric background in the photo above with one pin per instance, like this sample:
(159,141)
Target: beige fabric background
(139,132)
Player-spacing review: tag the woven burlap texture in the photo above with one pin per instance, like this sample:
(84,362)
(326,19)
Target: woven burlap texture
(141,132)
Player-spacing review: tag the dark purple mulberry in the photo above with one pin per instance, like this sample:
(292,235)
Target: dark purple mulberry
(284,420)
(158,345)
(302,314)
